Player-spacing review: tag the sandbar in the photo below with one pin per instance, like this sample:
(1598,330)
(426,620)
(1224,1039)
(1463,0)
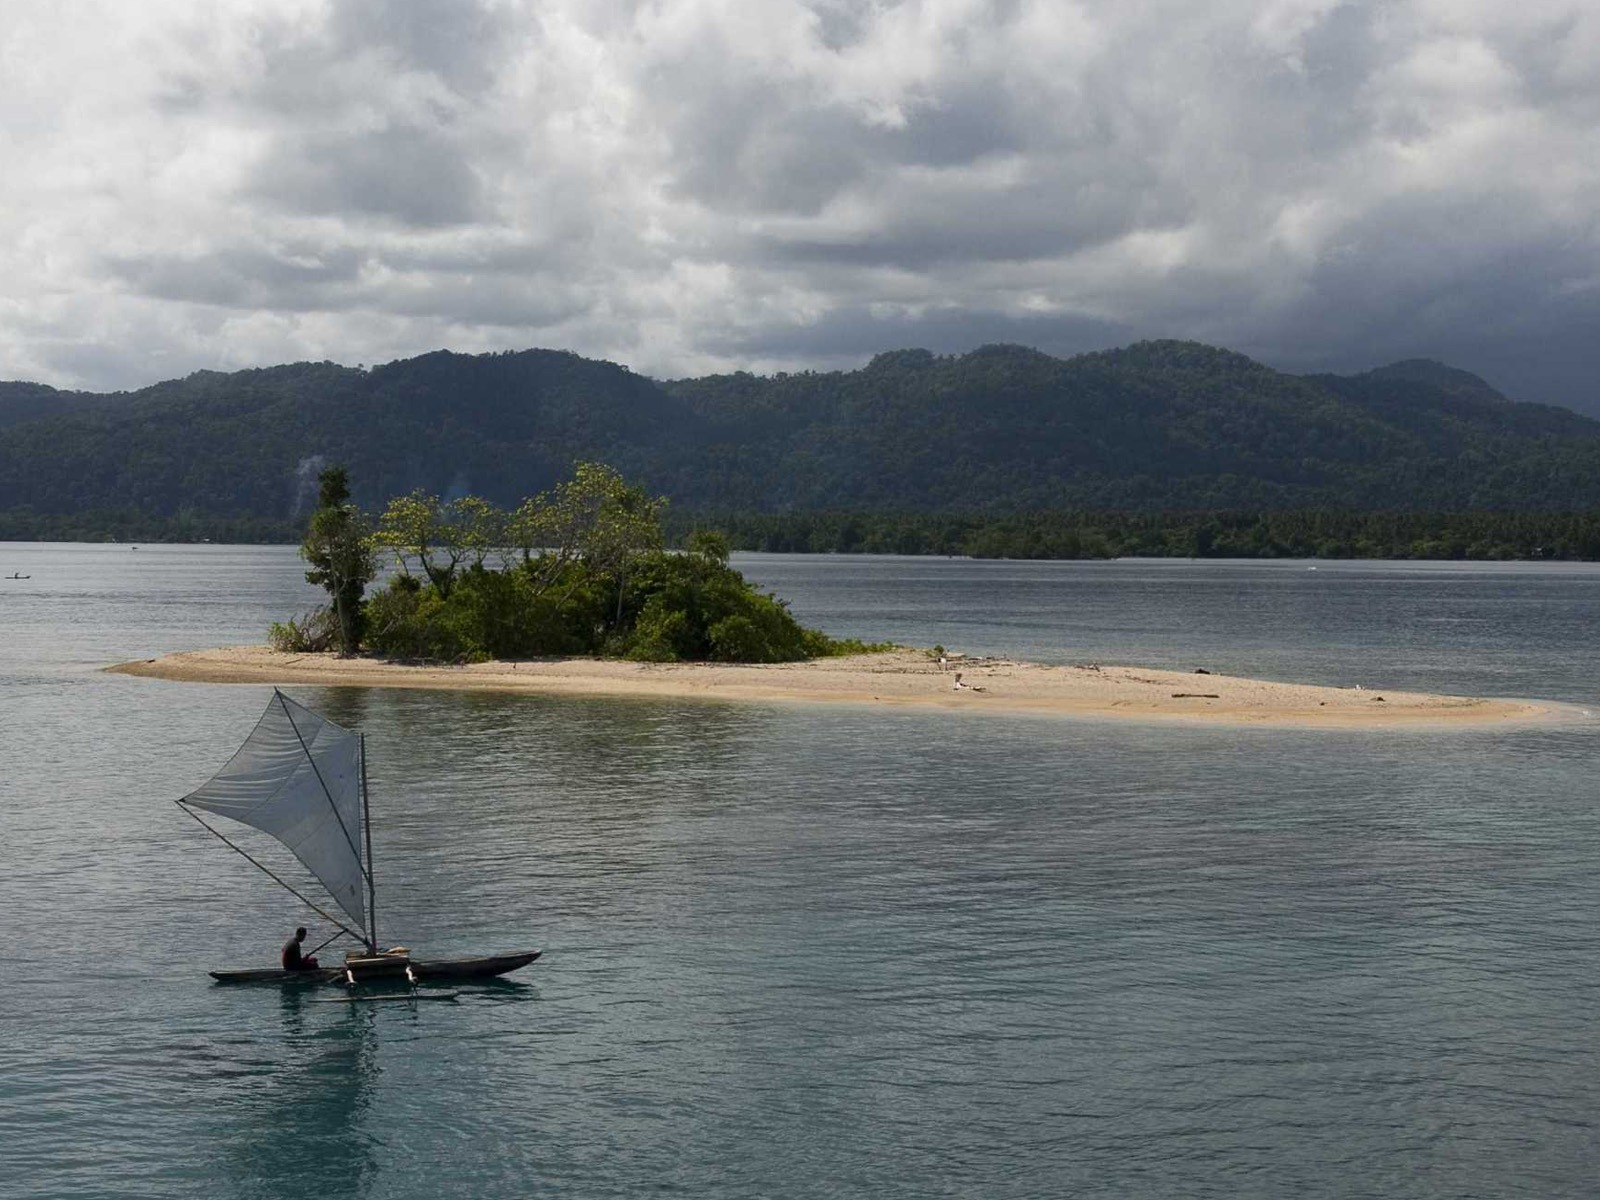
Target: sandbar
(908,679)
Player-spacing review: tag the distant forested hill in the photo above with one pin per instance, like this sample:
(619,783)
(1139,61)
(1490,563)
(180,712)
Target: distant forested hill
(1004,429)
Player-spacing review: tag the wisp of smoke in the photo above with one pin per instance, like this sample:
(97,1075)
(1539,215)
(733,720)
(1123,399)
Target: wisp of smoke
(305,482)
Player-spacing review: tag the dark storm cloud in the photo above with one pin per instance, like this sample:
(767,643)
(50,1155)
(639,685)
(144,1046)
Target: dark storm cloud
(1480,284)
(471,293)
(420,177)
(847,337)
(1044,218)
(241,278)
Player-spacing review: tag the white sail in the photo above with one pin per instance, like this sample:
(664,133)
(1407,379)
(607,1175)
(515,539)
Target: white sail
(298,778)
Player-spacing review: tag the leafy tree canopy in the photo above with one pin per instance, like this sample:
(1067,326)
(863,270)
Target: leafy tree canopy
(1002,430)
(339,548)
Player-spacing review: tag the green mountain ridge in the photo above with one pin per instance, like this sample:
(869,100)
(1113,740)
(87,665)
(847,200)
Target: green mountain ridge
(1155,425)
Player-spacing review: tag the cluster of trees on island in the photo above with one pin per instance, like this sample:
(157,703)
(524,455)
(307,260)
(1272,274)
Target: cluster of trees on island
(579,570)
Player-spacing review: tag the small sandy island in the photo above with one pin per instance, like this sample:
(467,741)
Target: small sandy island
(903,678)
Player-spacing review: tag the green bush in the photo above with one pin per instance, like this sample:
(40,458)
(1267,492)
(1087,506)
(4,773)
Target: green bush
(659,635)
(736,639)
(820,645)
(315,632)
(405,621)
(694,606)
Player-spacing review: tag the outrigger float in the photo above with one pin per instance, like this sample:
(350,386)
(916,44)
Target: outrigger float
(303,780)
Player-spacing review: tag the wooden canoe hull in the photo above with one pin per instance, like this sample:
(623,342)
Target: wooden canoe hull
(444,968)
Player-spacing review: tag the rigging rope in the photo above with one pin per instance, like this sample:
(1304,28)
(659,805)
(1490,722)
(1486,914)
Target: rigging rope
(272,876)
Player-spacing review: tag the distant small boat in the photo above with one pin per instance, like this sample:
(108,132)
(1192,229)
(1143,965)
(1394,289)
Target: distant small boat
(15,575)
(303,780)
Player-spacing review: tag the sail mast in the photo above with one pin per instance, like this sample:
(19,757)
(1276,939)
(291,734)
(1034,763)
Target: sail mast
(366,828)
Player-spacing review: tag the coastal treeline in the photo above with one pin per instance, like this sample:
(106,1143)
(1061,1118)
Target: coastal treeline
(1318,533)
(27,524)
(580,570)
(1315,533)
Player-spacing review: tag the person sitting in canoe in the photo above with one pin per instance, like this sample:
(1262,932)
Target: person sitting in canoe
(293,960)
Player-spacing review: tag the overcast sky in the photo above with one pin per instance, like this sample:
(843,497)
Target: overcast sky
(687,186)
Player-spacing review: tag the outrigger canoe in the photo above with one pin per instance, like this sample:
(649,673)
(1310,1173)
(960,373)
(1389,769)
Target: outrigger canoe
(303,779)
(440,969)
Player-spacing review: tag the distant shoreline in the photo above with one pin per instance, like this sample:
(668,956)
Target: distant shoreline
(1466,537)
(906,679)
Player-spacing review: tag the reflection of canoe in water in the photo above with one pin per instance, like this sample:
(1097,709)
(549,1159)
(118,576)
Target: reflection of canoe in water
(303,780)
(421,971)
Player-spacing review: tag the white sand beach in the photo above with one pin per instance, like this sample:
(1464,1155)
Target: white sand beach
(903,678)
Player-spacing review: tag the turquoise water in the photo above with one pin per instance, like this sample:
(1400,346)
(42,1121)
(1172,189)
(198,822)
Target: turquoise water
(801,952)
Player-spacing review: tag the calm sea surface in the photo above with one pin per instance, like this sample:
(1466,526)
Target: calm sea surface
(823,952)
